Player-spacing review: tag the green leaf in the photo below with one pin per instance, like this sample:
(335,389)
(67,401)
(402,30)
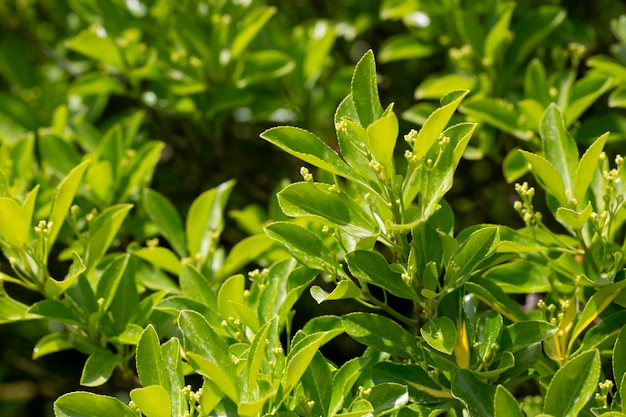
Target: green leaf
(548,176)
(317,385)
(257,354)
(342,383)
(150,364)
(55,310)
(505,404)
(364,90)
(438,86)
(259,66)
(514,166)
(320,44)
(619,359)
(373,268)
(326,202)
(404,47)
(301,355)
(573,385)
(584,93)
(196,287)
(531,31)
(153,401)
(161,258)
(477,397)
(102,232)
(496,38)
(493,296)
(488,332)
(231,302)
(421,387)
(617,98)
(380,333)
(51,343)
(306,247)
(559,148)
(518,335)
(476,248)
(594,306)
(14,223)
(208,352)
(249,249)
(345,289)
(586,167)
(603,332)
(575,220)
(497,114)
(54,288)
(110,280)
(249,27)
(387,397)
(309,148)
(520,277)
(205,217)
(536,83)
(165,217)
(440,334)
(437,122)
(99,48)
(87,404)
(382,135)
(140,172)
(173,366)
(98,368)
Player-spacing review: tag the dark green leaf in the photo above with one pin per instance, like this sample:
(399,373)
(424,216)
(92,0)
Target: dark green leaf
(559,148)
(477,397)
(421,386)
(573,385)
(380,333)
(373,268)
(525,333)
(619,358)
(505,404)
(102,232)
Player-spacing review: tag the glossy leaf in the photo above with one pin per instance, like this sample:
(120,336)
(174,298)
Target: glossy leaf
(382,136)
(301,355)
(81,404)
(437,122)
(479,246)
(324,201)
(518,335)
(514,166)
(440,334)
(317,384)
(303,245)
(102,232)
(51,343)
(161,258)
(150,364)
(164,215)
(586,167)
(575,220)
(99,368)
(594,306)
(342,383)
(110,280)
(477,397)
(373,268)
(573,385)
(55,310)
(208,352)
(496,38)
(505,405)
(548,176)
(345,289)
(380,333)
(205,217)
(307,147)
(63,198)
(497,114)
(387,397)
(153,401)
(364,89)
(619,359)
(559,148)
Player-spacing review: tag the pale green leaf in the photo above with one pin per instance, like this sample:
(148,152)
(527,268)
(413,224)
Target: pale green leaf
(87,404)
(364,90)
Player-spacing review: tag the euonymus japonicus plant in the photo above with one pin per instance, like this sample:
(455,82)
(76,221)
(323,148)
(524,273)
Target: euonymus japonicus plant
(380,231)
(450,320)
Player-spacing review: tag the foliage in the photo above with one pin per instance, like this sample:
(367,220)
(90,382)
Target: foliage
(198,315)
